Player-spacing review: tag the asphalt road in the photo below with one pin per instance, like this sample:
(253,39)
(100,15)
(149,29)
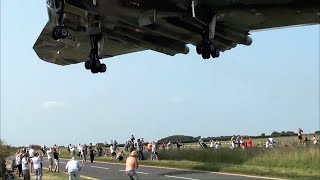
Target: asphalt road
(101,170)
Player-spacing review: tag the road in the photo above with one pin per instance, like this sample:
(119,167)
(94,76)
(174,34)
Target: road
(104,170)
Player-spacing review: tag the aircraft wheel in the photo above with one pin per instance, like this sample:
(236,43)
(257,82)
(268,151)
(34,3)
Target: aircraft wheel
(215,53)
(63,31)
(102,68)
(54,36)
(94,70)
(199,49)
(97,63)
(205,55)
(87,65)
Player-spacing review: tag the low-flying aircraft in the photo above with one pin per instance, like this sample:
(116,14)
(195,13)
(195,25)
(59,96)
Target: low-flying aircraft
(90,30)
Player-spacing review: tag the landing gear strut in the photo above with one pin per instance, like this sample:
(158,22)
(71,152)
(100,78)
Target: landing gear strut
(206,48)
(94,63)
(60,31)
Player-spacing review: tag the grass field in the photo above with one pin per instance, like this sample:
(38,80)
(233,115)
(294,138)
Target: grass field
(283,162)
(280,141)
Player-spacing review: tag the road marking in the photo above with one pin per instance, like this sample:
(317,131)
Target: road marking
(99,167)
(202,171)
(138,172)
(180,177)
(87,177)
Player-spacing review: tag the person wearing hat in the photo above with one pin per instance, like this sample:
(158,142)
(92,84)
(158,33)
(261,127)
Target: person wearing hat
(132,165)
(73,168)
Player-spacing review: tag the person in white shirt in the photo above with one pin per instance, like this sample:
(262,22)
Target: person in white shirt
(314,140)
(37,159)
(113,153)
(25,167)
(154,153)
(212,143)
(72,151)
(73,167)
(79,148)
(50,159)
(31,155)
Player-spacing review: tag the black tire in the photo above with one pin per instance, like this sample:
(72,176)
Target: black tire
(97,64)
(94,70)
(199,49)
(215,53)
(205,54)
(62,32)
(102,68)
(54,36)
(87,65)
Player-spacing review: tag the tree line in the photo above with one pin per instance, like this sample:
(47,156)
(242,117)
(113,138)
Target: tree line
(191,139)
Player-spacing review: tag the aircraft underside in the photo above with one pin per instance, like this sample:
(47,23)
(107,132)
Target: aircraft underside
(87,31)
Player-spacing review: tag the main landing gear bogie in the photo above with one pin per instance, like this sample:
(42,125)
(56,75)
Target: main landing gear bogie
(95,66)
(207,50)
(94,63)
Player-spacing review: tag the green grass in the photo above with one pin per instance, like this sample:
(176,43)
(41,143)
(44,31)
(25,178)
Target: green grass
(283,162)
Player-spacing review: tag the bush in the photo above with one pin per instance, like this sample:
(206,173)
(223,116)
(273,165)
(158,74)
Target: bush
(4,153)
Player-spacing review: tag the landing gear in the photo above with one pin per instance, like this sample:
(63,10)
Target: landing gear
(206,48)
(60,31)
(94,63)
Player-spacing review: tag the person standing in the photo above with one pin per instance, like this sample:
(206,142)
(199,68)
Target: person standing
(73,168)
(18,163)
(91,152)
(84,155)
(140,149)
(56,160)
(300,131)
(31,155)
(25,167)
(314,140)
(37,160)
(50,159)
(132,139)
(132,165)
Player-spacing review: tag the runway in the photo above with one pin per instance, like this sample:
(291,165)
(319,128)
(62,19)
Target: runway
(105,170)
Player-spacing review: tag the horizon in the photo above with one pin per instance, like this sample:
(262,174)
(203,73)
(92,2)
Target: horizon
(105,142)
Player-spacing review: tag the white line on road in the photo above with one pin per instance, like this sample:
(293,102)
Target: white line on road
(138,172)
(99,167)
(179,177)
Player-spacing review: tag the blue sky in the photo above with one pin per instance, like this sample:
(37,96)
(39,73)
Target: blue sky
(272,85)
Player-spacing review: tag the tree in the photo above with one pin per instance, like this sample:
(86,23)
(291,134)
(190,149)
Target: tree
(275,134)
(263,134)
(291,133)
(317,132)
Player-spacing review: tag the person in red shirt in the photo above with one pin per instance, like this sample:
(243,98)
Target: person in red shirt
(249,143)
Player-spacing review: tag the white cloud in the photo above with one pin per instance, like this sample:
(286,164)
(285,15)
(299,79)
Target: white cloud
(52,104)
